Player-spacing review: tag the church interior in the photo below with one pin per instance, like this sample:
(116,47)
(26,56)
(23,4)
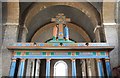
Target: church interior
(70,39)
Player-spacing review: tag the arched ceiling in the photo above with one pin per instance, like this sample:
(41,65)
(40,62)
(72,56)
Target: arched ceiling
(26,5)
(85,7)
(80,14)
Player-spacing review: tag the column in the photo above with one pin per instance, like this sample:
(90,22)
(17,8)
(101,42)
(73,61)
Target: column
(73,68)
(10,26)
(12,68)
(84,69)
(89,73)
(33,68)
(1,36)
(108,68)
(100,68)
(118,17)
(93,68)
(37,71)
(97,33)
(111,30)
(28,69)
(21,68)
(48,68)
(23,31)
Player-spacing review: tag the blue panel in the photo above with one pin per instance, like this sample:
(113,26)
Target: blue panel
(81,45)
(19,44)
(73,69)
(12,69)
(108,68)
(48,69)
(66,32)
(65,44)
(21,69)
(55,44)
(59,57)
(41,44)
(27,44)
(100,69)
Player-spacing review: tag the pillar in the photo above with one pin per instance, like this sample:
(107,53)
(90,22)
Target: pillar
(108,68)
(28,69)
(88,68)
(1,38)
(10,24)
(111,30)
(73,68)
(24,32)
(84,68)
(10,37)
(37,71)
(118,22)
(48,68)
(33,68)
(112,39)
(21,68)
(100,68)
(12,68)
(93,66)
(97,33)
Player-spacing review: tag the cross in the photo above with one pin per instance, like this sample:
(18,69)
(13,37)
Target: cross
(60,20)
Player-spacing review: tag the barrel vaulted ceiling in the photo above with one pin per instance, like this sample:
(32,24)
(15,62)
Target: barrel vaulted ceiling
(36,15)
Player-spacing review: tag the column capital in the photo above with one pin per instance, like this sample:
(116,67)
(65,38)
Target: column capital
(26,29)
(23,60)
(107,60)
(98,60)
(10,24)
(73,59)
(109,23)
(48,59)
(13,60)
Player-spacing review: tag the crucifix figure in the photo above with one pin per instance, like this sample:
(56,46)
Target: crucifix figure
(60,20)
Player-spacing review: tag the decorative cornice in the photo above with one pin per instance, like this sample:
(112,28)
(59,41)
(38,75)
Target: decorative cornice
(110,23)
(11,24)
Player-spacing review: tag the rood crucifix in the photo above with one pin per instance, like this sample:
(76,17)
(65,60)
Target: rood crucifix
(60,20)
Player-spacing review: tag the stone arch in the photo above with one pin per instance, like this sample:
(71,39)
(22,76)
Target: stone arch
(87,9)
(50,26)
(63,68)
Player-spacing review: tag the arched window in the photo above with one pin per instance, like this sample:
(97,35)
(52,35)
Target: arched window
(60,69)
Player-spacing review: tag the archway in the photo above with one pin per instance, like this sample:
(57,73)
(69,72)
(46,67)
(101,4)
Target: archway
(81,16)
(81,35)
(60,68)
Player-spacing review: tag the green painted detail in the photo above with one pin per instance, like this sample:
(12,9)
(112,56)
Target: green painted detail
(77,53)
(69,53)
(60,41)
(54,38)
(27,53)
(43,53)
(18,53)
(94,53)
(102,53)
(52,53)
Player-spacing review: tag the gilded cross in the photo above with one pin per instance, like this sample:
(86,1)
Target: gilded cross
(60,20)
